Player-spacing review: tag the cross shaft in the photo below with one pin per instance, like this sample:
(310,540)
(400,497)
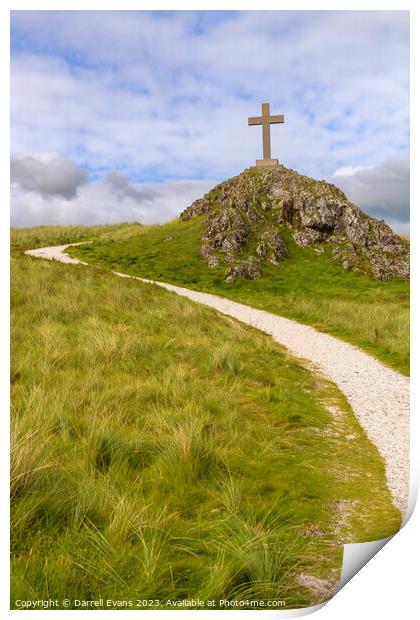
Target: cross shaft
(266,120)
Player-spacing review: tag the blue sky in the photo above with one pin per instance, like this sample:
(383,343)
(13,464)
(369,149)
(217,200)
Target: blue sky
(162,99)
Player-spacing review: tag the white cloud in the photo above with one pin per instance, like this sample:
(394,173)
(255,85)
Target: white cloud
(179,108)
(113,199)
(382,191)
(166,96)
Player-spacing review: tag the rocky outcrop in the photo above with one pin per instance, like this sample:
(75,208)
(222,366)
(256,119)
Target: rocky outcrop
(248,215)
(249,268)
(271,247)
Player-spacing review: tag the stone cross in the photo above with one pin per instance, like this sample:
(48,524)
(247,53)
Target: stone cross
(266,120)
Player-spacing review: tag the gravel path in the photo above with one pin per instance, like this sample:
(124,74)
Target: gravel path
(378,395)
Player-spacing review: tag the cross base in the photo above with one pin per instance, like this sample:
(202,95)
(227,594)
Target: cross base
(267,163)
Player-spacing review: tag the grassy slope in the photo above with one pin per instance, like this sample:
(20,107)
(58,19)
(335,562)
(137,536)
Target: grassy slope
(154,457)
(42,236)
(308,287)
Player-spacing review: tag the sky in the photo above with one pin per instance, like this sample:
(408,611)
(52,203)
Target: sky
(130,116)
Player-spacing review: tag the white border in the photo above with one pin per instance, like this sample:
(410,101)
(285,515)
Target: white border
(387,586)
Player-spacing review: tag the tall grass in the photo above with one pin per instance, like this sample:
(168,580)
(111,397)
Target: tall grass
(161,451)
(42,236)
(308,287)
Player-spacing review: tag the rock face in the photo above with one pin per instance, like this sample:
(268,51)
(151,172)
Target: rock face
(248,215)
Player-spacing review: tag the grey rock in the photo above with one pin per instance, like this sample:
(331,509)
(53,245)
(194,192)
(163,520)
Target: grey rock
(212,261)
(272,247)
(320,214)
(233,272)
(250,268)
(309,236)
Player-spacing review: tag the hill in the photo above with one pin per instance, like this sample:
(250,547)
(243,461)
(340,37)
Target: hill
(153,456)
(309,283)
(247,214)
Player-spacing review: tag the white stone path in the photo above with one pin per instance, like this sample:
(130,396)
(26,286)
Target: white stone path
(378,395)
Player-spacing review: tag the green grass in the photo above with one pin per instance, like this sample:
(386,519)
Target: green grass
(42,236)
(307,287)
(162,451)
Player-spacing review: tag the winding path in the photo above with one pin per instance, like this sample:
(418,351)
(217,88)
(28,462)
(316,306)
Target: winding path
(379,396)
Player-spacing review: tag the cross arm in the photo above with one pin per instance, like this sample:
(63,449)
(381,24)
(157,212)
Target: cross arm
(279,118)
(255,120)
(258,120)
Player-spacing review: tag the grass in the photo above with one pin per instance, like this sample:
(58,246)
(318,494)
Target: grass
(154,457)
(307,287)
(42,236)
